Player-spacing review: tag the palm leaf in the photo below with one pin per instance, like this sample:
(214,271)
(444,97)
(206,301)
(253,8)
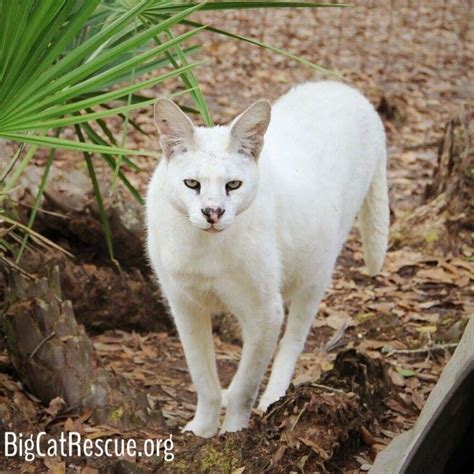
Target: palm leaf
(98,195)
(40,103)
(66,63)
(72,145)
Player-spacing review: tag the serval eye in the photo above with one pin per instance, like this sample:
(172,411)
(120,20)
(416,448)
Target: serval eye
(193,184)
(233,185)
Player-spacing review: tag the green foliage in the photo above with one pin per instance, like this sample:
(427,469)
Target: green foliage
(75,63)
(45,83)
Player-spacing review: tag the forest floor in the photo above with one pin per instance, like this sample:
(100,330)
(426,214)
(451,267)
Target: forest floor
(395,331)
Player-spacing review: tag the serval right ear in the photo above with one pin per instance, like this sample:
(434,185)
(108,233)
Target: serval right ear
(175,128)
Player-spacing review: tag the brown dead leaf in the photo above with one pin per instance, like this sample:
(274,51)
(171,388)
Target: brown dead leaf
(463,281)
(75,425)
(384,307)
(428,304)
(315,447)
(27,467)
(367,436)
(375,449)
(55,406)
(389,434)
(55,465)
(402,258)
(86,415)
(278,454)
(436,274)
(101,347)
(100,431)
(25,404)
(418,399)
(373,344)
(310,374)
(89,470)
(397,406)
(240,470)
(426,329)
(8,384)
(432,318)
(335,320)
(396,378)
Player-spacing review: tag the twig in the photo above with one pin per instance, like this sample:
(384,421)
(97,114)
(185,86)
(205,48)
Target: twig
(5,232)
(13,265)
(12,163)
(44,211)
(44,341)
(421,350)
(335,341)
(341,32)
(325,387)
(298,417)
(423,145)
(278,407)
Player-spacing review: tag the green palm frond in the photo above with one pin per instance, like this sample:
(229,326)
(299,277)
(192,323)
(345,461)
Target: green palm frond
(76,63)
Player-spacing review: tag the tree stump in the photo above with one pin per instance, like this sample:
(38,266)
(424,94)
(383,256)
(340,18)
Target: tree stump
(445,221)
(54,357)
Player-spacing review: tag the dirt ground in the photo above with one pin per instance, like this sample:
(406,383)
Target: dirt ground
(378,344)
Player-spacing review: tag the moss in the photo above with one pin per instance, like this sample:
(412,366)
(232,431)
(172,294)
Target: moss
(362,317)
(214,459)
(213,456)
(116,415)
(431,237)
(179,465)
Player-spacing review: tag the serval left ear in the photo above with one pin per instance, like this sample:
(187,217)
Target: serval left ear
(249,128)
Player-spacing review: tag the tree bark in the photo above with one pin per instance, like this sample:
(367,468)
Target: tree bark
(53,356)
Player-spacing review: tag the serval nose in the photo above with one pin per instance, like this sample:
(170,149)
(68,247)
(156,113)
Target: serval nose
(213,214)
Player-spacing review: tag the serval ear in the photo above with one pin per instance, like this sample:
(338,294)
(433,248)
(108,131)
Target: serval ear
(249,128)
(175,128)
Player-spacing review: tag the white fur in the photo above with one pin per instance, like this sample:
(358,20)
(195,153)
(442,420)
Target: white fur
(323,160)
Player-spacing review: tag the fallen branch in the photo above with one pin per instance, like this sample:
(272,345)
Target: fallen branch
(325,387)
(423,350)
